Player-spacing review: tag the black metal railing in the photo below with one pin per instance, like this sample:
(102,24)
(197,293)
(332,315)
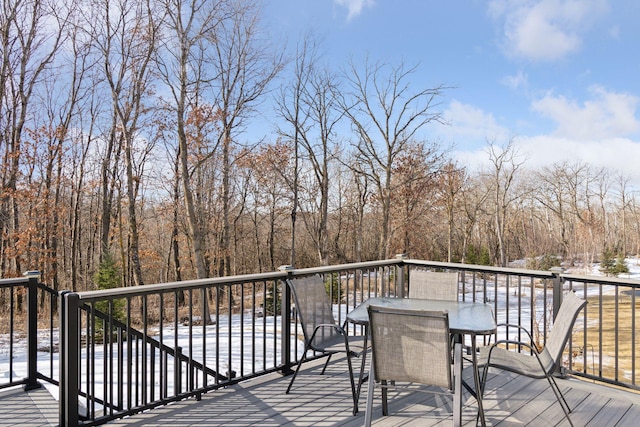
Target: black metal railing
(132,349)
(28,333)
(127,350)
(606,345)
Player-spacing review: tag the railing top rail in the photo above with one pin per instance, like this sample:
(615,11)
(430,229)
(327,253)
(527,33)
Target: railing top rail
(88,296)
(601,280)
(247,278)
(14,281)
(485,268)
(344,267)
(155,288)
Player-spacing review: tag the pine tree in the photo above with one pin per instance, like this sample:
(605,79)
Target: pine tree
(108,277)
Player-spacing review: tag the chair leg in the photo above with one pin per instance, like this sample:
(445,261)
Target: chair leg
(385,406)
(354,393)
(483,378)
(324,368)
(483,382)
(560,397)
(369,409)
(554,386)
(302,359)
(361,376)
(457,388)
(562,400)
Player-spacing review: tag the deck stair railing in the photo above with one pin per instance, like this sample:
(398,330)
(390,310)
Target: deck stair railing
(122,334)
(173,341)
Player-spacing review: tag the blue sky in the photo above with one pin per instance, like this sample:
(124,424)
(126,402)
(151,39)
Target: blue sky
(560,77)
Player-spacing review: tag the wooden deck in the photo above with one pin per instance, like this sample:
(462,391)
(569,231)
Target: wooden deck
(325,400)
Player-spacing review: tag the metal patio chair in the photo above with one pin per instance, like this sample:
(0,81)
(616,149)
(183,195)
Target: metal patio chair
(433,285)
(321,332)
(412,346)
(536,364)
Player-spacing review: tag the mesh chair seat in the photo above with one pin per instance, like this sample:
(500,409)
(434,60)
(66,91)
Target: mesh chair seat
(337,345)
(411,346)
(519,363)
(433,285)
(534,363)
(321,332)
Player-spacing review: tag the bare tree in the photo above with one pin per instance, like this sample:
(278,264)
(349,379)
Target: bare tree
(451,183)
(66,102)
(505,162)
(624,201)
(190,28)
(27,48)
(359,200)
(415,192)
(289,103)
(474,197)
(264,168)
(386,115)
(128,41)
(314,119)
(244,66)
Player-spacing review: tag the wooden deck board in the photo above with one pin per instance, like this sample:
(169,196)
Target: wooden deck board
(325,400)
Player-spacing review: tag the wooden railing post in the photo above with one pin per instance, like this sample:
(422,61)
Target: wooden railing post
(557,289)
(69,358)
(285,306)
(32,331)
(401,276)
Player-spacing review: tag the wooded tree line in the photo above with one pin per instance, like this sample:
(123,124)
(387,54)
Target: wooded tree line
(125,134)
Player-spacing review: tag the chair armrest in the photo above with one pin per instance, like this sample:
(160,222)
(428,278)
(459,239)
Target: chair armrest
(520,328)
(531,347)
(337,328)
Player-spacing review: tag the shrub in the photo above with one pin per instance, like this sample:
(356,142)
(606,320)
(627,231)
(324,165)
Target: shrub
(612,263)
(333,287)
(478,255)
(545,262)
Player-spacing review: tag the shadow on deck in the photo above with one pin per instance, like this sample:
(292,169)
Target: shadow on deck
(326,401)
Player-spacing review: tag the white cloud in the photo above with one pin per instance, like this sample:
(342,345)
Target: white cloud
(545,30)
(519,81)
(355,7)
(601,132)
(469,123)
(616,155)
(605,115)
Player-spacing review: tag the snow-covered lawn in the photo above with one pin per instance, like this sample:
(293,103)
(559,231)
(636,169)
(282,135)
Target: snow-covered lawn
(256,334)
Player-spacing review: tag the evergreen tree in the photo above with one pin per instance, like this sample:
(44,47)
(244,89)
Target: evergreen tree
(108,277)
(613,264)
(332,285)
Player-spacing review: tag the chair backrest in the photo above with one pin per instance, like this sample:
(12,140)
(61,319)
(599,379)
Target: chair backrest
(563,325)
(433,285)
(314,308)
(411,345)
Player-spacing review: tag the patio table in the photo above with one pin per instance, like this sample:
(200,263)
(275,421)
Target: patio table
(465,318)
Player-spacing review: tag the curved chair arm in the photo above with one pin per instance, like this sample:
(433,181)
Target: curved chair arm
(518,327)
(513,325)
(337,328)
(531,347)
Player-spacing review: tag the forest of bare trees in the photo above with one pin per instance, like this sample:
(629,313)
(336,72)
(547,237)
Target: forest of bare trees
(128,132)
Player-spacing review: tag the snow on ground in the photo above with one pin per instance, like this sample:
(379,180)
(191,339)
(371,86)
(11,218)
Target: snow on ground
(265,331)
